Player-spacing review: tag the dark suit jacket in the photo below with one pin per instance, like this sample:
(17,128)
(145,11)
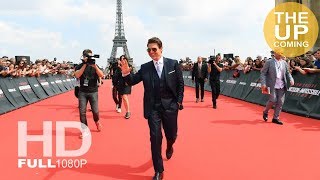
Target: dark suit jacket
(174,81)
(204,71)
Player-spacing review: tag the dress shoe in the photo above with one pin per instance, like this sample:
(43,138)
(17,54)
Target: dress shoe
(197,100)
(277,121)
(158,176)
(265,116)
(214,106)
(169,152)
(202,100)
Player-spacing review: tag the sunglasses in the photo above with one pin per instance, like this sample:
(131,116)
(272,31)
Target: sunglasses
(153,49)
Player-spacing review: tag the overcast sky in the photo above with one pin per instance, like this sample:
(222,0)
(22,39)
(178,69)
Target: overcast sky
(188,28)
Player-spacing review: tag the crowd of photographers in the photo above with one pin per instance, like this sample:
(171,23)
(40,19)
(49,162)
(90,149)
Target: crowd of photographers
(304,64)
(9,67)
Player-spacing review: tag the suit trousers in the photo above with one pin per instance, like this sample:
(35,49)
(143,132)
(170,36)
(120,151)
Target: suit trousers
(168,119)
(199,81)
(276,98)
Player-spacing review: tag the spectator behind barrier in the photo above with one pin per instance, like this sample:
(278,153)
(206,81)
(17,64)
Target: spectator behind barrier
(317,61)
(304,62)
(248,67)
(257,66)
(292,64)
(9,69)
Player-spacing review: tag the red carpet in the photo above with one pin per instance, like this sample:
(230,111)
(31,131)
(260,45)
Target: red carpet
(229,143)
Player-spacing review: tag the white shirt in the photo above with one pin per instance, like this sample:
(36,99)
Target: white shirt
(280,74)
(159,63)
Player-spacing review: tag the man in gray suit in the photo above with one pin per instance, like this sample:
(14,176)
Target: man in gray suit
(275,75)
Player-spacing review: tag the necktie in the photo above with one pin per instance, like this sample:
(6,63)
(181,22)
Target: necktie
(158,69)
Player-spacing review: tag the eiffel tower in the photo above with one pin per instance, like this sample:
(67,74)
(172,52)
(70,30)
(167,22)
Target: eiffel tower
(119,38)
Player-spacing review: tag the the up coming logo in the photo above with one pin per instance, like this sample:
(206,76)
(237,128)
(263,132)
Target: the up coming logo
(291,28)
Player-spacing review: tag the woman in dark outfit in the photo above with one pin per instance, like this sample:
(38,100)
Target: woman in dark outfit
(117,98)
(123,89)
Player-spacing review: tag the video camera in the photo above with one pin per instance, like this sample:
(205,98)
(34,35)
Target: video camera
(91,59)
(211,59)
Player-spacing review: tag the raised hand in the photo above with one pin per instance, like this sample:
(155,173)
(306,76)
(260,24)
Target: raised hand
(124,66)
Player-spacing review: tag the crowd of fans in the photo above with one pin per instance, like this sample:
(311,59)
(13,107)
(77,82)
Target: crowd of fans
(304,64)
(9,67)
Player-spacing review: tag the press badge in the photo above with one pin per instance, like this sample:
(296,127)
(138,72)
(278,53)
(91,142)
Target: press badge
(86,82)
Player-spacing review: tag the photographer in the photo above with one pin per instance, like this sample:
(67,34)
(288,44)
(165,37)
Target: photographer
(214,69)
(88,73)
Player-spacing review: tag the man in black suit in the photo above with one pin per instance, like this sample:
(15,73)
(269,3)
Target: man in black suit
(163,94)
(200,75)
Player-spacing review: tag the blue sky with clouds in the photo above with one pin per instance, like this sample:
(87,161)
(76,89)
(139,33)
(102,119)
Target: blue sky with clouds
(188,28)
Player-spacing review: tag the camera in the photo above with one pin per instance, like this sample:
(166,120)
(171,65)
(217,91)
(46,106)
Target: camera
(211,59)
(91,59)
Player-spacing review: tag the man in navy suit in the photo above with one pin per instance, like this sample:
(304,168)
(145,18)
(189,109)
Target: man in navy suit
(163,94)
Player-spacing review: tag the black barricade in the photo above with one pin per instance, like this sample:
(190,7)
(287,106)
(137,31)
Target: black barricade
(12,92)
(66,84)
(53,84)
(18,92)
(315,112)
(222,81)
(25,89)
(248,83)
(254,89)
(57,79)
(238,91)
(229,83)
(72,82)
(37,88)
(187,78)
(5,105)
(303,98)
(45,85)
